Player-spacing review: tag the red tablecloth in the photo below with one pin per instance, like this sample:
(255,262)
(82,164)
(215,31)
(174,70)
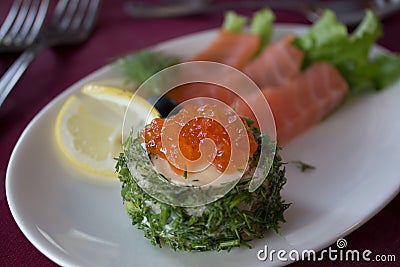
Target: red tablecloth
(116,34)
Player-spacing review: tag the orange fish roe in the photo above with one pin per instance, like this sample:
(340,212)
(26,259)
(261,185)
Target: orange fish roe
(191,135)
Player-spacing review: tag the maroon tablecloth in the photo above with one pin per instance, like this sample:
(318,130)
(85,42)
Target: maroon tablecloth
(116,34)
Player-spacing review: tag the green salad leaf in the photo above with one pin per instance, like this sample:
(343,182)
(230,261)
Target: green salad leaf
(262,25)
(234,22)
(387,69)
(329,40)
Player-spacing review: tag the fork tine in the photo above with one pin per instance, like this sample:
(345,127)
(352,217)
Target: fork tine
(79,15)
(9,21)
(27,23)
(68,14)
(91,15)
(19,21)
(58,12)
(86,15)
(38,22)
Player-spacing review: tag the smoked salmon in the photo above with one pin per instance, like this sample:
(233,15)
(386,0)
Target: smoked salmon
(235,47)
(302,102)
(230,48)
(278,63)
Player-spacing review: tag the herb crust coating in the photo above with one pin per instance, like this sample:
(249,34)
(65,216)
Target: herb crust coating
(231,221)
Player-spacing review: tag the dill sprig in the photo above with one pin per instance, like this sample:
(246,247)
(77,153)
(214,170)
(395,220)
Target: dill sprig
(141,65)
(303,166)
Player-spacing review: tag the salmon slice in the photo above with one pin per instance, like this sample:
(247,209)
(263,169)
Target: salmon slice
(233,49)
(302,102)
(278,63)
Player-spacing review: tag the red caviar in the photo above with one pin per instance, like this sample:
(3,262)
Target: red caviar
(190,137)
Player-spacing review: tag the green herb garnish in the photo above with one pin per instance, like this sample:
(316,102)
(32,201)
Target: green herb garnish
(185,172)
(139,66)
(303,166)
(248,120)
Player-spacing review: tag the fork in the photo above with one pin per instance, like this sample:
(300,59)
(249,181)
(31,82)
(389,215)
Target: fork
(22,24)
(72,23)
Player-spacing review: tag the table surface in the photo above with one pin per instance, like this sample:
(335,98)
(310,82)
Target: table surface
(116,34)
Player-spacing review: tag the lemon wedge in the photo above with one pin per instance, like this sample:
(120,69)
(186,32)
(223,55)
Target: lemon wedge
(88,127)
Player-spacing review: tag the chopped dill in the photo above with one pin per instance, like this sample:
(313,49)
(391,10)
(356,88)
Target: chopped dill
(303,166)
(185,172)
(141,65)
(248,120)
(231,221)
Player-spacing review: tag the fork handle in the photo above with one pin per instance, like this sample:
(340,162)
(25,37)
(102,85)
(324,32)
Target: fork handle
(14,73)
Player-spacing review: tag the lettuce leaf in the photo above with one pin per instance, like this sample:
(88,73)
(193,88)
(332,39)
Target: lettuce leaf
(261,25)
(234,22)
(329,40)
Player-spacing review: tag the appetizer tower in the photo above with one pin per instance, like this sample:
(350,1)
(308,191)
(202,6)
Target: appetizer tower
(230,221)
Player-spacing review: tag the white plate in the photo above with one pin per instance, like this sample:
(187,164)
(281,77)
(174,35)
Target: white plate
(76,220)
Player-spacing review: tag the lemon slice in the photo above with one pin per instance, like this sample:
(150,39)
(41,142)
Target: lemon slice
(89,127)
